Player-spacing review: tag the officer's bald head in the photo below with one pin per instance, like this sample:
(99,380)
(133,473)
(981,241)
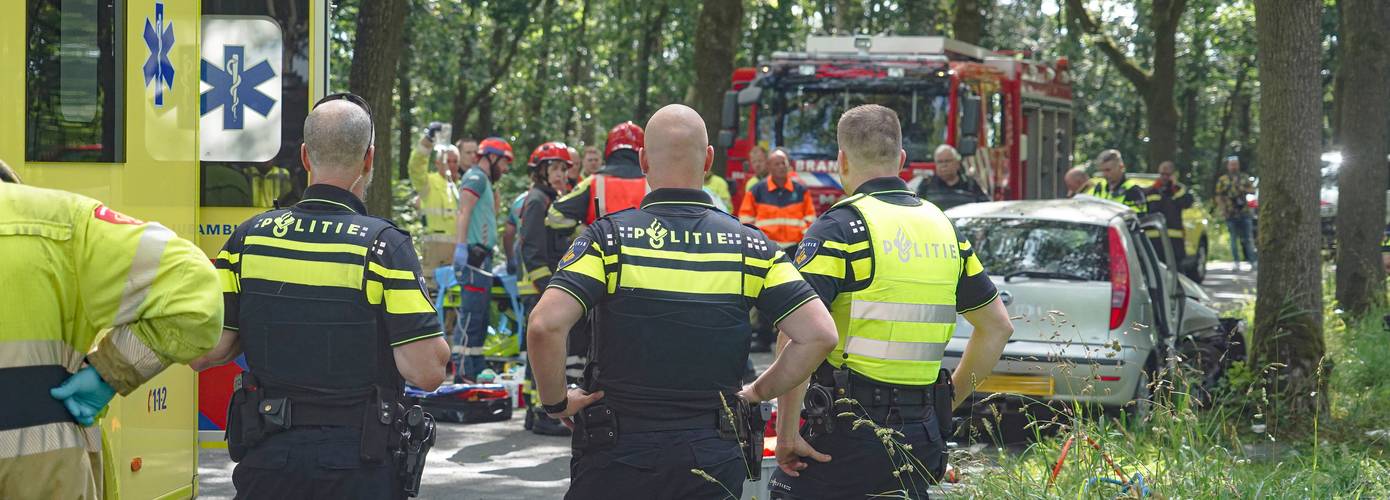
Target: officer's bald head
(677,151)
(337,135)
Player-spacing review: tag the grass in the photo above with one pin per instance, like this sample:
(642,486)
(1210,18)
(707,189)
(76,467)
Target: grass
(1183,452)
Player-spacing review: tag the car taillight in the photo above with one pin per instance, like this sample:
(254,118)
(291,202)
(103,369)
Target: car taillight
(1119,280)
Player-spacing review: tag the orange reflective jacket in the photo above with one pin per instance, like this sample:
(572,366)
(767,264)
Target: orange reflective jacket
(782,211)
(611,194)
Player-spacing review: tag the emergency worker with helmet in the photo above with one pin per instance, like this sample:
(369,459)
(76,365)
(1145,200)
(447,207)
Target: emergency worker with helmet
(894,274)
(476,239)
(619,185)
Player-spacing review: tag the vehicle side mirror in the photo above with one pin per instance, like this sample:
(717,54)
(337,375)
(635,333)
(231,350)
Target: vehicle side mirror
(970,116)
(729,119)
(750,95)
(726,139)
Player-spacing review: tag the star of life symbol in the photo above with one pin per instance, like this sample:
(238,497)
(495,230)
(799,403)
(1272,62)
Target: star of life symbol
(234,86)
(159,39)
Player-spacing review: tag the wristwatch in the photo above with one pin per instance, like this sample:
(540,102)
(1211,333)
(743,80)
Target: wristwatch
(557,408)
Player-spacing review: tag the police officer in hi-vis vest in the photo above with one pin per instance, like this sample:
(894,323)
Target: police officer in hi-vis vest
(895,275)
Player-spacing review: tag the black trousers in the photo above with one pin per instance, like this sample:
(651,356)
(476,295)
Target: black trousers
(658,465)
(313,463)
(861,467)
(1179,249)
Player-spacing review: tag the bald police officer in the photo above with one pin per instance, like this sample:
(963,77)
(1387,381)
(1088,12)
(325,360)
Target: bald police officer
(895,274)
(670,285)
(329,306)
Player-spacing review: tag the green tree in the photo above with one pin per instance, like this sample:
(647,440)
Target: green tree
(1364,177)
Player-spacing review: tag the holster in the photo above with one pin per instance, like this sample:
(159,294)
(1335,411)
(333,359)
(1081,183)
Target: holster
(415,430)
(752,422)
(943,398)
(595,428)
(245,427)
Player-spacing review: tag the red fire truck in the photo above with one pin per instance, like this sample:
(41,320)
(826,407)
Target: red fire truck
(1010,117)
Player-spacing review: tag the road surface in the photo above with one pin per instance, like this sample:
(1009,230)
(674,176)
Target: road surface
(501,461)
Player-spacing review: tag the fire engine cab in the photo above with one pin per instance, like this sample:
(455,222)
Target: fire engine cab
(1010,117)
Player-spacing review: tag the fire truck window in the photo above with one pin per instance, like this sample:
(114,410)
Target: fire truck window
(995,113)
(73,73)
(810,117)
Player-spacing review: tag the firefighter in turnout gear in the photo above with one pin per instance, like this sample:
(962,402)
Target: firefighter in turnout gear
(330,309)
(541,248)
(1114,186)
(778,205)
(895,275)
(619,185)
(669,286)
(72,268)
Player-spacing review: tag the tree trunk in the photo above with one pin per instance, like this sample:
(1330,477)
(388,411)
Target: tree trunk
(407,97)
(461,97)
(372,76)
(1339,56)
(715,49)
(535,105)
(1288,304)
(651,42)
(848,15)
(578,57)
(969,21)
(1229,112)
(1363,177)
(920,15)
(484,127)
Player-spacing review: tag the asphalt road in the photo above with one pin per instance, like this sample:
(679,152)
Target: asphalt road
(502,461)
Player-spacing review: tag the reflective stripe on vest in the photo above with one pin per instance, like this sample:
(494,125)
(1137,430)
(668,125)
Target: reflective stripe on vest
(895,330)
(622,195)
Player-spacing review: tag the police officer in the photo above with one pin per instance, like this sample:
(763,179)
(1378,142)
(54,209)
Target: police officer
(1169,197)
(71,268)
(670,286)
(1114,186)
(620,184)
(895,274)
(329,306)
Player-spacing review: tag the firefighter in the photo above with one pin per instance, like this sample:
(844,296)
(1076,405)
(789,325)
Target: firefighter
(1169,197)
(1114,186)
(476,240)
(670,284)
(778,205)
(72,268)
(329,306)
(619,185)
(540,251)
(895,274)
(948,188)
(439,200)
(268,184)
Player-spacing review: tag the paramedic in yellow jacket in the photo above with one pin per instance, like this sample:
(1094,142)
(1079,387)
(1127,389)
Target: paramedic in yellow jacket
(439,201)
(73,268)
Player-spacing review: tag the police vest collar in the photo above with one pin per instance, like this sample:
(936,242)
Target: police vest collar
(332,198)
(669,196)
(882,184)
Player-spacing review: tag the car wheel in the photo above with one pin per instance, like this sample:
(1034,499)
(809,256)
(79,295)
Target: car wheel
(1198,271)
(1200,367)
(1138,411)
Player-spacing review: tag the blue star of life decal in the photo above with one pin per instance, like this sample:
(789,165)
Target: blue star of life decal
(158,69)
(234,86)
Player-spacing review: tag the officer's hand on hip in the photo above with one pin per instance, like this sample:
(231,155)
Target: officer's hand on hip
(750,394)
(84,394)
(578,400)
(790,451)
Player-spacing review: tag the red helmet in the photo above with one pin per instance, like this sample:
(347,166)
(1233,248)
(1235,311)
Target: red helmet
(554,150)
(625,135)
(495,146)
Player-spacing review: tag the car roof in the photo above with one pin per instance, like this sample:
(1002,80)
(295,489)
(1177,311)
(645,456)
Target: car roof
(1082,209)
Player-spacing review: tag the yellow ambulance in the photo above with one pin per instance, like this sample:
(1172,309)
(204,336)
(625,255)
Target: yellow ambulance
(185,112)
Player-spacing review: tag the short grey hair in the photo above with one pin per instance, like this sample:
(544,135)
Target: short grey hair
(872,135)
(946,148)
(1109,155)
(337,134)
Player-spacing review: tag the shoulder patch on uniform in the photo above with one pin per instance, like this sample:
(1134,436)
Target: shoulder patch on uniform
(114,217)
(806,251)
(577,249)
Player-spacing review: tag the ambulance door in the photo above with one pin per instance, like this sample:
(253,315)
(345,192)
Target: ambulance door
(263,64)
(100,97)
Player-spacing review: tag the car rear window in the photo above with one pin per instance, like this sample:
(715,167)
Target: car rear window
(1007,246)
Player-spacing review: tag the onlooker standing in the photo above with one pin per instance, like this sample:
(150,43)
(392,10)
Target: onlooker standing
(948,188)
(1232,192)
(1169,197)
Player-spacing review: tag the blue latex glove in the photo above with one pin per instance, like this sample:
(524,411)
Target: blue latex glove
(84,394)
(460,255)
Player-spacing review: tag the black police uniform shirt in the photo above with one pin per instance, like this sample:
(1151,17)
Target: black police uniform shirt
(836,257)
(671,284)
(326,262)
